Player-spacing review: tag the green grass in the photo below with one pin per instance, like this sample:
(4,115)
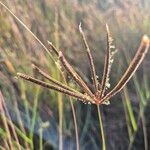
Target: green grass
(22,43)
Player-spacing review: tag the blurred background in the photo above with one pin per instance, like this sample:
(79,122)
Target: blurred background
(44,119)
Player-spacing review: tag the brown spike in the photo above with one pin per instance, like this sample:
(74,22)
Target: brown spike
(91,62)
(56,88)
(107,64)
(136,61)
(53,48)
(44,74)
(74,75)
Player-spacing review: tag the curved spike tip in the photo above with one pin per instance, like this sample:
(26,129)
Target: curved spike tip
(50,43)
(80,28)
(60,54)
(107,27)
(33,66)
(145,40)
(18,74)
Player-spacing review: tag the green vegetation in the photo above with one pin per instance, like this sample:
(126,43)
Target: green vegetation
(32,117)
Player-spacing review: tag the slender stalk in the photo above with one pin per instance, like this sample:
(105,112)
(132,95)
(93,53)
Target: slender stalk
(4,113)
(27,28)
(74,117)
(13,129)
(135,133)
(127,118)
(41,139)
(145,133)
(130,110)
(25,100)
(11,123)
(34,112)
(21,134)
(6,144)
(59,95)
(101,128)
(9,139)
(20,121)
(75,125)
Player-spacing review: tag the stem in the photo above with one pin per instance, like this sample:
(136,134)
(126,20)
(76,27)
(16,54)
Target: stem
(74,115)
(41,139)
(130,109)
(144,131)
(59,95)
(101,128)
(34,113)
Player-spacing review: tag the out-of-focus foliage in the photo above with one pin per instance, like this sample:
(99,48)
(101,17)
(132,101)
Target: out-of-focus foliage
(57,21)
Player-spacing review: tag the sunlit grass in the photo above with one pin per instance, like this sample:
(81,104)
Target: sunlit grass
(20,50)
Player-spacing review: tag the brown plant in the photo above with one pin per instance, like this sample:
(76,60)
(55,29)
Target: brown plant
(98,95)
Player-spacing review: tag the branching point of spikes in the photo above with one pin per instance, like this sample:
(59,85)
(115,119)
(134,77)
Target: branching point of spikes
(100,95)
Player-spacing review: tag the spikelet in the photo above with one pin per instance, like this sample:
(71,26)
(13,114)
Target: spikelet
(112,51)
(74,75)
(109,58)
(133,66)
(78,95)
(91,62)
